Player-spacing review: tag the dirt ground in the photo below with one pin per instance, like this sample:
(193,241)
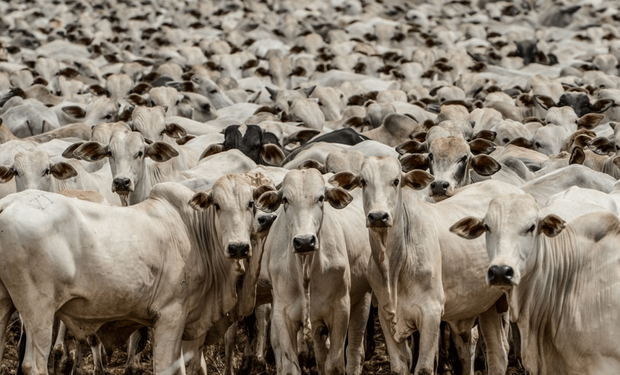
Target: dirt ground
(214,355)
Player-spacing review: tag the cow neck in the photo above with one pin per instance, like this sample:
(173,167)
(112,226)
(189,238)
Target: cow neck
(412,251)
(152,174)
(219,274)
(539,301)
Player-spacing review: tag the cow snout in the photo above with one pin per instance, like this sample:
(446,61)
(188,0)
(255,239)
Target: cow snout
(238,250)
(265,221)
(500,275)
(121,185)
(439,187)
(304,244)
(378,219)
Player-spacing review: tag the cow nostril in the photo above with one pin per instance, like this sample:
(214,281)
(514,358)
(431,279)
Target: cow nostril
(433,185)
(238,251)
(508,272)
(445,185)
(385,217)
(492,273)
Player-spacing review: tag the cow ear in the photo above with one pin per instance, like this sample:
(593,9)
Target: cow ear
(521,142)
(468,228)
(6,174)
(616,161)
(136,99)
(551,225)
(308,90)
(63,171)
(272,154)
(577,156)
(174,131)
(345,180)
(160,151)
(417,179)
(313,164)
(213,149)
(126,114)
(68,152)
(261,190)
(183,140)
(601,145)
(485,134)
(75,111)
(411,147)
(485,165)
(338,197)
(544,101)
(269,201)
(301,136)
(272,93)
(97,90)
(91,151)
(481,146)
(201,201)
(590,120)
(602,105)
(419,136)
(414,161)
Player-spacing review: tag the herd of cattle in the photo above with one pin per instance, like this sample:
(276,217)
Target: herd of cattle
(171,167)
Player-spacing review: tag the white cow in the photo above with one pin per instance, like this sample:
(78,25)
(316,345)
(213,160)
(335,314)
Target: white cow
(561,282)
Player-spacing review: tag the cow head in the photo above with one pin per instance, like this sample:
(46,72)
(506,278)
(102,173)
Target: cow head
(382,182)
(232,201)
(127,152)
(512,225)
(261,147)
(450,161)
(33,169)
(302,195)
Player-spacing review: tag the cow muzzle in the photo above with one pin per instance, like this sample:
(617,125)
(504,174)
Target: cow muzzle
(304,244)
(378,219)
(439,189)
(122,185)
(264,222)
(501,275)
(238,251)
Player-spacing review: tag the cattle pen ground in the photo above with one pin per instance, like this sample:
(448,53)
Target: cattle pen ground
(214,355)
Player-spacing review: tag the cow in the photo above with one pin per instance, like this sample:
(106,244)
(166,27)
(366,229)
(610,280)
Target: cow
(550,272)
(198,252)
(316,256)
(423,276)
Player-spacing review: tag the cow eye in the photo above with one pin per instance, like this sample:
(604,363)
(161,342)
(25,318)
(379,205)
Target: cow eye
(531,229)
(284,200)
(46,171)
(320,102)
(396,182)
(430,157)
(486,228)
(321,199)
(139,154)
(251,205)
(463,159)
(363,182)
(108,116)
(537,145)
(213,92)
(15,173)
(217,206)
(151,103)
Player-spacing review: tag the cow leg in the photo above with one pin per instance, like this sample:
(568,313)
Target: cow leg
(400,355)
(6,310)
(135,345)
(284,337)
(429,341)
(39,326)
(249,351)
(230,339)
(357,327)
(262,313)
(75,359)
(167,333)
(465,343)
(193,356)
(495,336)
(334,327)
(96,347)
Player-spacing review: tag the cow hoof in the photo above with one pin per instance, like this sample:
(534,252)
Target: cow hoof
(133,370)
